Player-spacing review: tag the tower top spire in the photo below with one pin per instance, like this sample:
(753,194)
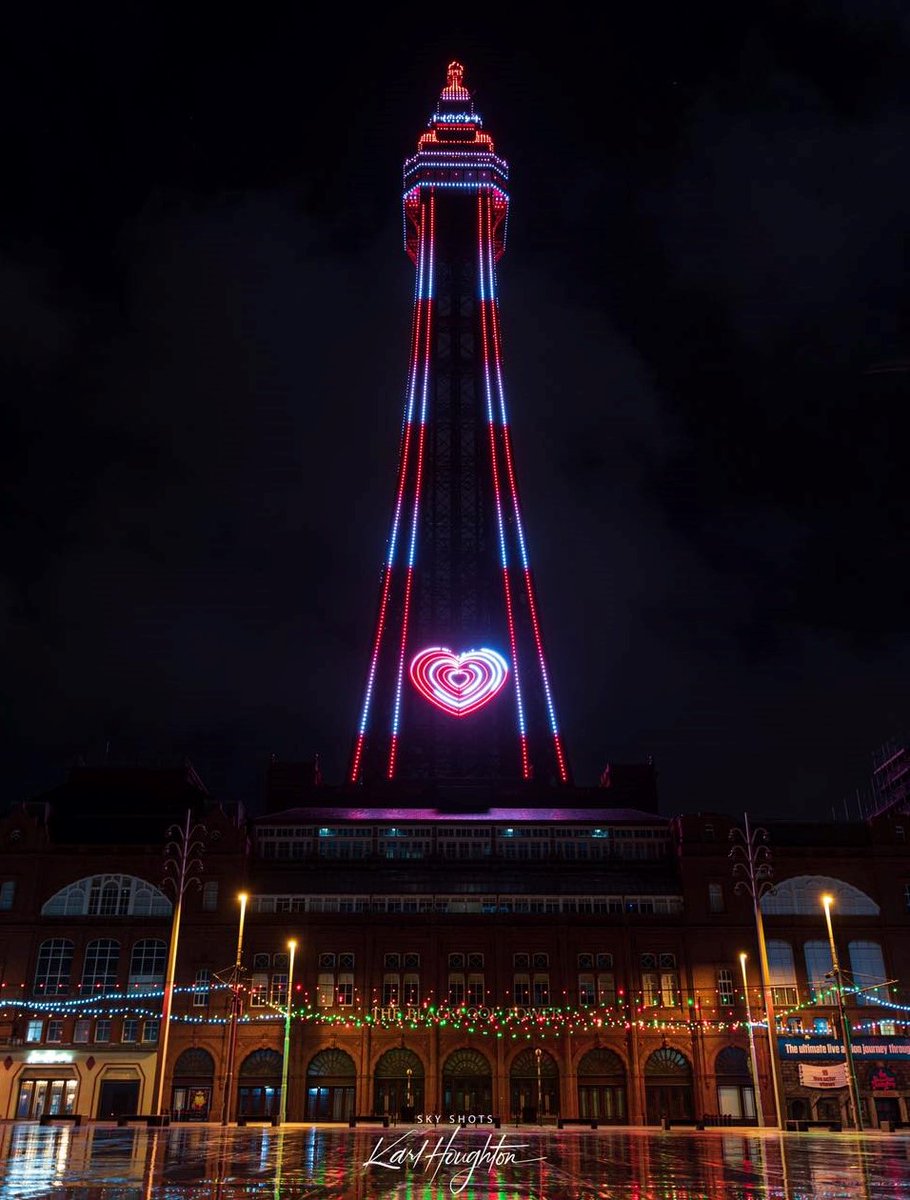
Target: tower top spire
(455,88)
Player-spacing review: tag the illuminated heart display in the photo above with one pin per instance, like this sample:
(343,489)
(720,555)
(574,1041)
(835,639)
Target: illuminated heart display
(459,684)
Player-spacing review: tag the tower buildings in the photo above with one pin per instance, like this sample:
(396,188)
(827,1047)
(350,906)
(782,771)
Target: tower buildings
(458,688)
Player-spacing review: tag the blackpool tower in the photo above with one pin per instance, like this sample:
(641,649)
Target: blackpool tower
(457,688)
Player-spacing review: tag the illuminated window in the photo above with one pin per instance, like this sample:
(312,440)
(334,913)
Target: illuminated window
(82,1030)
(325,989)
(346,989)
(259,990)
(278,993)
(7,894)
(103,1030)
(390,990)
(210,895)
(130,1030)
(150,1031)
(868,969)
(541,990)
(476,990)
(782,973)
(55,1031)
(411,993)
(34,1030)
(606,989)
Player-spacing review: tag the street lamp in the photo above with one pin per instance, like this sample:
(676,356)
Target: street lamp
(285,1061)
(181,863)
(538,1054)
(827,901)
(760,1112)
(754,874)
(236,1003)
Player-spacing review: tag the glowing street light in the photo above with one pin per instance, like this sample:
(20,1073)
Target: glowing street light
(760,1112)
(236,1002)
(827,901)
(286,1058)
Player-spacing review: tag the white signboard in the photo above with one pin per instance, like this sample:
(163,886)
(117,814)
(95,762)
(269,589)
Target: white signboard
(813,1076)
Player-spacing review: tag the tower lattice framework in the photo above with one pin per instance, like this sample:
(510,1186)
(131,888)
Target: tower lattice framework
(458,687)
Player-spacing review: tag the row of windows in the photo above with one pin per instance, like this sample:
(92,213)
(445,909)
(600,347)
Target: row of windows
(418,848)
(866,975)
(131,1030)
(53,972)
(484,905)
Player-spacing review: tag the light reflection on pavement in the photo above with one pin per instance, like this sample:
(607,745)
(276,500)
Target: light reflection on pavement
(306,1162)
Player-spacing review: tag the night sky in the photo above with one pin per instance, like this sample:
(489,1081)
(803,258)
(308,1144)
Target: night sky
(205,320)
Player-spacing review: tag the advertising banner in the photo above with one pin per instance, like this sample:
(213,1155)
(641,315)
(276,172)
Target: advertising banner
(813,1076)
(823,1049)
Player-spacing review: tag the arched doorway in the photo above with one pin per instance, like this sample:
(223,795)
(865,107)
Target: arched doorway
(735,1090)
(191,1089)
(398,1083)
(467,1084)
(330,1084)
(525,1103)
(259,1085)
(602,1086)
(668,1086)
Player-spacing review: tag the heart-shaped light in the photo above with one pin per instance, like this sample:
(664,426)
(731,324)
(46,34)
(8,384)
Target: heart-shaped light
(458,683)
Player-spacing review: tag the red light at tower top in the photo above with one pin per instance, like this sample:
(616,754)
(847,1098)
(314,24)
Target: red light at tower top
(457,573)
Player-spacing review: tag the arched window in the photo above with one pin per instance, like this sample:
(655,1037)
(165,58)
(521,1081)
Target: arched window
(732,1060)
(801,896)
(466,1062)
(55,962)
(601,1061)
(332,1063)
(108,896)
(194,1062)
(102,957)
(867,966)
(668,1061)
(261,1064)
(147,963)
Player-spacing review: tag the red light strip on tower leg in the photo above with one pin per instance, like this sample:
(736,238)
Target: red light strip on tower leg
(428,250)
(562,765)
(421,318)
(486,306)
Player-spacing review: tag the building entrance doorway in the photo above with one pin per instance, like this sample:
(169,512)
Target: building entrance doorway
(119,1097)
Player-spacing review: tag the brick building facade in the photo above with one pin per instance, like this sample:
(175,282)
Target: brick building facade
(513,955)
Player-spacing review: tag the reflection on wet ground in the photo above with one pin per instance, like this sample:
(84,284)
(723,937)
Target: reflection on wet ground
(303,1162)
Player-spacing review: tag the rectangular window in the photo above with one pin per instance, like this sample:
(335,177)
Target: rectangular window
(587,994)
(7,894)
(82,1030)
(541,990)
(867,966)
(650,989)
(456,988)
(390,989)
(130,1030)
(201,986)
(325,989)
(278,994)
(907,896)
(210,896)
(669,989)
(103,1030)
(150,1031)
(55,961)
(55,1031)
(259,989)
(716,897)
(476,990)
(819,972)
(782,973)
(521,989)
(346,989)
(606,989)
(725,994)
(411,993)
(34,1031)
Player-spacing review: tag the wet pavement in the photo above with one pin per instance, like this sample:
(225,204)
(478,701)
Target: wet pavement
(305,1162)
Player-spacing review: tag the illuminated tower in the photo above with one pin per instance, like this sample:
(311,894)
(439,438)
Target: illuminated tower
(458,687)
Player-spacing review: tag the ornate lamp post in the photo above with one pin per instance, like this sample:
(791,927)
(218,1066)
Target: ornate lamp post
(285,1061)
(182,862)
(827,901)
(753,873)
(538,1054)
(759,1109)
(235,976)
